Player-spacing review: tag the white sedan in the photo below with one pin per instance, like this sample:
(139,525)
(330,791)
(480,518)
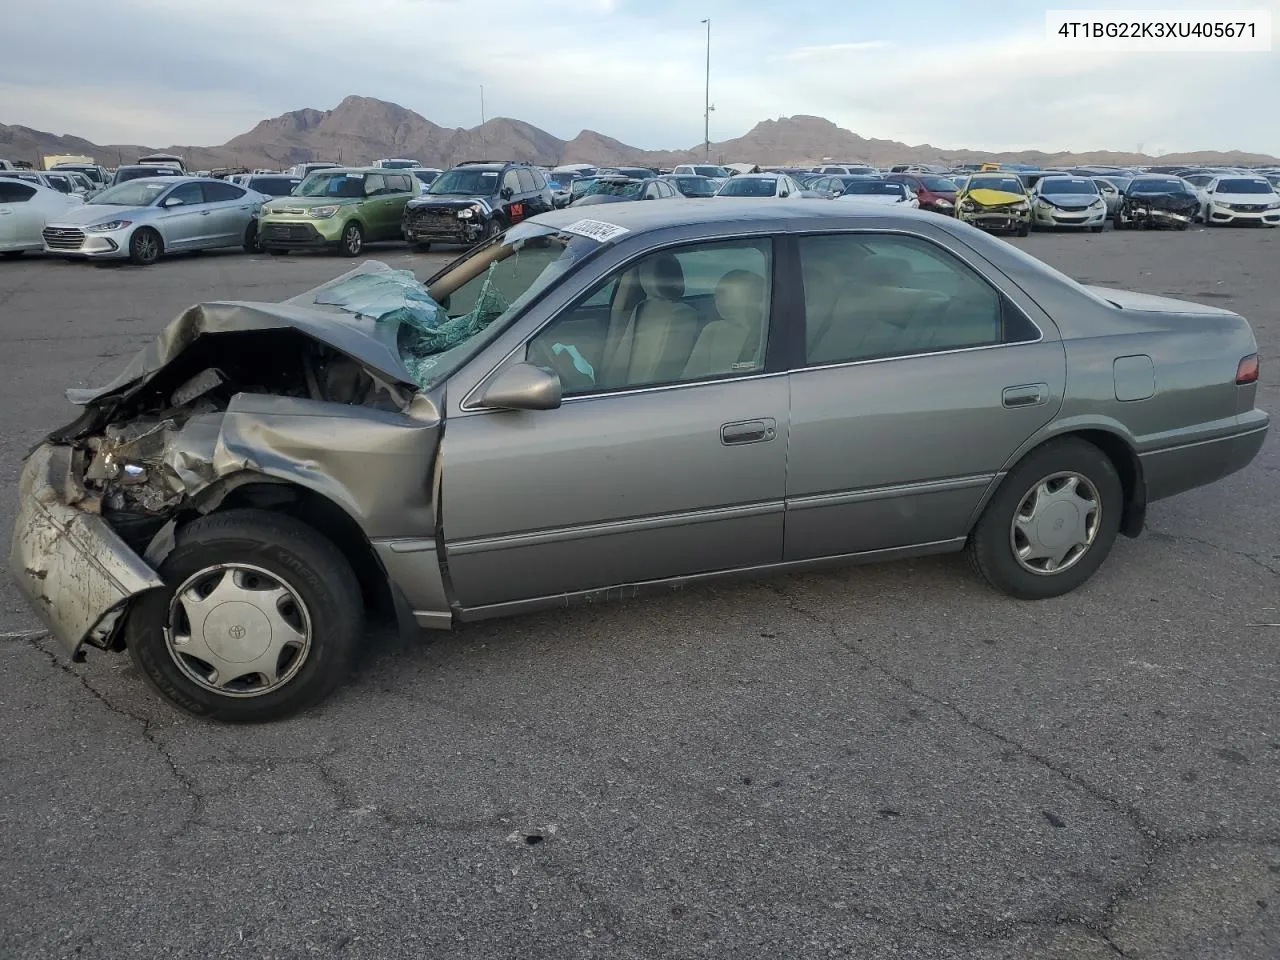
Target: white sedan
(25,207)
(1239,199)
(759,185)
(881,193)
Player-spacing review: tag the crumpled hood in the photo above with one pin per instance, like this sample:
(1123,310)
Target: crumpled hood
(365,340)
(1178,202)
(994,198)
(428,202)
(85,214)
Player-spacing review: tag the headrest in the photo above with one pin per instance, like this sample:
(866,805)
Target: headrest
(662,277)
(740,297)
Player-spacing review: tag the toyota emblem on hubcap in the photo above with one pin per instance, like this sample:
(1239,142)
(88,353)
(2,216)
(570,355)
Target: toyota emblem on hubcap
(236,632)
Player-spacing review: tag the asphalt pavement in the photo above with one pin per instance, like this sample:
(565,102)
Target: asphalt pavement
(880,762)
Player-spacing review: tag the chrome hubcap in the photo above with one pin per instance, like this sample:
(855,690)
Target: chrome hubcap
(238,630)
(353,240)
(1055,523)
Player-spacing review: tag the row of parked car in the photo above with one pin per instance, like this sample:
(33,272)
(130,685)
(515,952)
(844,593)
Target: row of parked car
(148,209)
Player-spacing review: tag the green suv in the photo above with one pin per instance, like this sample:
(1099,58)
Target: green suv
(339,209)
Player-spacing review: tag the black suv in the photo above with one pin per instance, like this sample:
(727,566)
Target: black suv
(473,201)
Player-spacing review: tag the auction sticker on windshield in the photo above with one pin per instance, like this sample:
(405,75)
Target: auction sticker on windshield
(596,230)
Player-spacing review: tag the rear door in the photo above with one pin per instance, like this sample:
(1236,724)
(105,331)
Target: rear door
(231,210)
(667,457)
(16,208)
(923,372)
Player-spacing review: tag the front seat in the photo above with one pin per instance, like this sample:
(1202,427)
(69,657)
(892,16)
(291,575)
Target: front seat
(655,344)
(735,342)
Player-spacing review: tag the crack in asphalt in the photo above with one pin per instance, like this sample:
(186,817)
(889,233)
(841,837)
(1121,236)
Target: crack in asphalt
(1262,562)
(184,781)
(1149,836)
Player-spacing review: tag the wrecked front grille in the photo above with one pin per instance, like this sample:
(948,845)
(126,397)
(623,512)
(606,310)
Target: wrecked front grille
(63,238)
(445,221)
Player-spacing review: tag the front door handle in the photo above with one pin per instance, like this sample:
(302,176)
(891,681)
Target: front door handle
(1025,395)
(748,431)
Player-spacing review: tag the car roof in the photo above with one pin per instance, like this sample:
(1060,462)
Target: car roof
(643,217)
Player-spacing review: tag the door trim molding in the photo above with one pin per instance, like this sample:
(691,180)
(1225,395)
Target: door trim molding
(612,528)
(841,497)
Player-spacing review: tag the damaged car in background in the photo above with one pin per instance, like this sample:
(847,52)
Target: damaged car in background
(1154,202)
(585,408)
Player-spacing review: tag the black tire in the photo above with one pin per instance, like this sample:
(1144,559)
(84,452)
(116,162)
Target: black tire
(1120,223)
(990,548)
(277,251)
(422,247)
(352,241)
(1098,228)
(1024,230)
(292,553)
(250,241)
(1184,225)
(145,247)
(493,228)
(13,254)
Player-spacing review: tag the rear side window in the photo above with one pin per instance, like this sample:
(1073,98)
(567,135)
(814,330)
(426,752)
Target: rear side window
(11,191)
(869,297)
(526,181)
(219,191)
(60,183)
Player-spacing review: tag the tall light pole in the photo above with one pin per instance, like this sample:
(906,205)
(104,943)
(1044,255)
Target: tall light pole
(706,116)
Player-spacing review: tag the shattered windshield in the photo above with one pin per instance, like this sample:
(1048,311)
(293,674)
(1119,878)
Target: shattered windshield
(580,187)
(466,183)
(615,188)
(442,326)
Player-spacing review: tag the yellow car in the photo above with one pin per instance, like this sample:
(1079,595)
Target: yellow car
(995,201)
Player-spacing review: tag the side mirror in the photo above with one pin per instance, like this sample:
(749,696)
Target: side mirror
(522,386)
(171,202)
(507,193)
(785,193)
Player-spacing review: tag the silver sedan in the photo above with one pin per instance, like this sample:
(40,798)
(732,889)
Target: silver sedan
(608,401)
(141,220)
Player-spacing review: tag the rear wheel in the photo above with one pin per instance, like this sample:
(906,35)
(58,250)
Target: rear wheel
(250,242)
(259,618)
(1051,523)
(422,247)
(13,254)
(145,247)
(277,251)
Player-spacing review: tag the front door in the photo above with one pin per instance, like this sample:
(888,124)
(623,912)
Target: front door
(667,457)
(189,222)
(921,380)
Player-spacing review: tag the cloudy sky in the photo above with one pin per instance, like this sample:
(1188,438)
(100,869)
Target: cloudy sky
(977,74)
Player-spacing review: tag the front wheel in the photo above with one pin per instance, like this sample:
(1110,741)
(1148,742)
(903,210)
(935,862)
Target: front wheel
(422,247)
(259,618)
(250,241)
(1051,523)
(1024,230)
(145,247)
(352,241)
(13,254)
(1097,228)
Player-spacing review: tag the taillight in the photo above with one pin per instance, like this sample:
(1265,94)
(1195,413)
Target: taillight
(1247,371)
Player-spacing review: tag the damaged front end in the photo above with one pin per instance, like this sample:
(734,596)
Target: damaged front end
(307,398)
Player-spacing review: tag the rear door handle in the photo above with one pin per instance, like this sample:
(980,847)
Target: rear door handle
(205,213)
(748,431)
(1025,395)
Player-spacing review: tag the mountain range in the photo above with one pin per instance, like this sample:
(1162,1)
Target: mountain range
(363,129)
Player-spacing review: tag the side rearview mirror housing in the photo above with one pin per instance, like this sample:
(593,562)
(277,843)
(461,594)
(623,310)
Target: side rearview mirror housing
(506,193)
(171,202)
(522,386)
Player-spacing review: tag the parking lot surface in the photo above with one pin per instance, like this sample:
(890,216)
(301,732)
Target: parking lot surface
(886,761)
